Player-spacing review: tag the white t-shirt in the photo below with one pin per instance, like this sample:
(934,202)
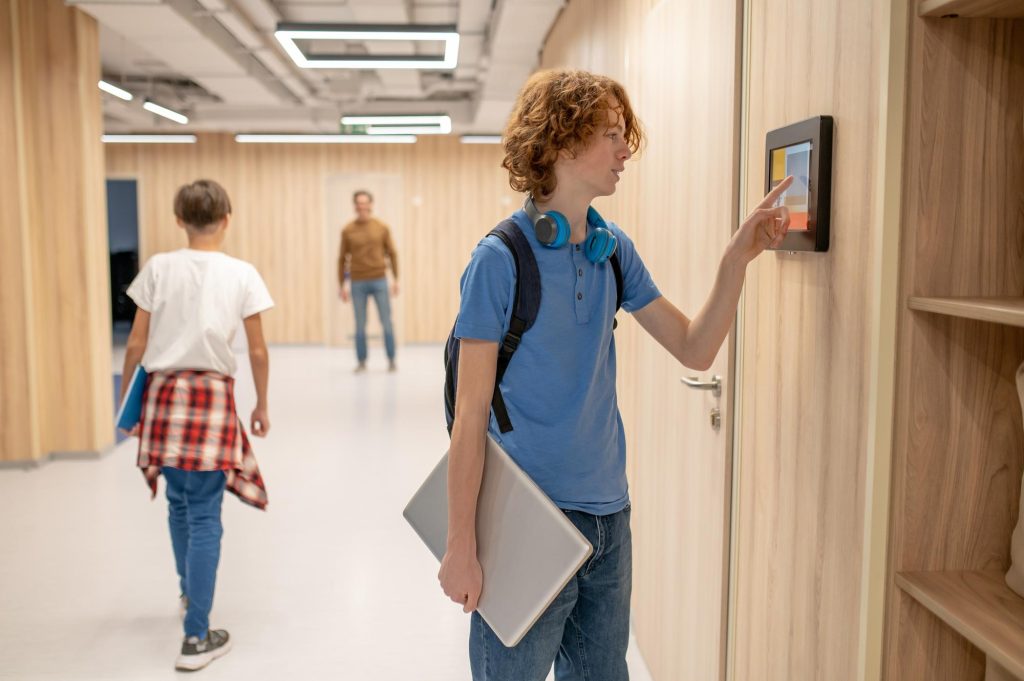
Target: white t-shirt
(196,300)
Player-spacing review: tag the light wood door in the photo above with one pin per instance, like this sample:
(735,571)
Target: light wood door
(686,214)
(389,208)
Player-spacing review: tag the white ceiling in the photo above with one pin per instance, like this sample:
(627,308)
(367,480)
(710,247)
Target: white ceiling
(217,61)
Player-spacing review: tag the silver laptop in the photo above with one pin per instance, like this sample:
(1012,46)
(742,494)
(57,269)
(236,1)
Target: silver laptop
(528,549)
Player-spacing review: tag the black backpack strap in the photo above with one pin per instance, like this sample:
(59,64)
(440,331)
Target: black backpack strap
(525,306)
(617,270)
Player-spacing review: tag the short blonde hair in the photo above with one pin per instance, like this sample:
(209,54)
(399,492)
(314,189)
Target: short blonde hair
(558,110)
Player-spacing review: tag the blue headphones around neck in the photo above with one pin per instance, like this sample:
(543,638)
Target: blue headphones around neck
(552,230)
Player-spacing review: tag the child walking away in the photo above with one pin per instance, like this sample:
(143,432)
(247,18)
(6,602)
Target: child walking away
(190,302)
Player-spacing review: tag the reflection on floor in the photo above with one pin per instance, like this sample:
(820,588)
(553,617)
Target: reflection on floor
(329,583)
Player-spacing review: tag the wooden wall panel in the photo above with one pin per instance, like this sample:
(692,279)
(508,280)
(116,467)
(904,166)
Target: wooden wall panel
(806,345)
(454,194)
(67,214)
(677,201)
(64,319)
(959,440)
(19,429)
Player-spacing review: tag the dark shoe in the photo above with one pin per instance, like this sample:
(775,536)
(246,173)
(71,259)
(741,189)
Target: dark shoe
(360,368)
(392,366)
(196,654)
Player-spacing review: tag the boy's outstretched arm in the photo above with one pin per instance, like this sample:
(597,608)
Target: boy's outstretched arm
(696,343)
(259,360)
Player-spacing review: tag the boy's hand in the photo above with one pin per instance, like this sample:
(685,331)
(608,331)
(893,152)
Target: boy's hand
(344,293)
(765,227)
(461,578)
(259,424)
(134,432)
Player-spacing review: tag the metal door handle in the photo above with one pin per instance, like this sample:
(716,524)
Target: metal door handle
(714,385)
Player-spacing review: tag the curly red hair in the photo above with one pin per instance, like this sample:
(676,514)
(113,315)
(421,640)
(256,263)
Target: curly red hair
(560,110)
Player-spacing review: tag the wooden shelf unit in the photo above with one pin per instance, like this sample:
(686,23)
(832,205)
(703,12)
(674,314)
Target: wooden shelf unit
(958,435)
(979,606)
(989,9)
(999,310)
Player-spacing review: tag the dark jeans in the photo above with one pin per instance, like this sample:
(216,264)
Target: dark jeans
(194,500)
(585,631)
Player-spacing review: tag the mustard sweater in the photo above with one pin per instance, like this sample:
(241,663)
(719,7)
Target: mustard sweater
(366,248)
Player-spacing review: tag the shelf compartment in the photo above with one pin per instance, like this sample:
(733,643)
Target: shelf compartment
(1000,310)
(979,606)
(992,9)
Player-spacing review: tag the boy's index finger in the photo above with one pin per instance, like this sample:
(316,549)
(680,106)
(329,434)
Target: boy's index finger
(774,194)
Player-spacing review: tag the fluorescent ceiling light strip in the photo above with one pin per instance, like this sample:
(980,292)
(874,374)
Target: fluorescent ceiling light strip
(116,91)
(324,139)
(480,139)
(388,130)
(402,125)
(397,120)
(165,112)
(149,139)
(288,36)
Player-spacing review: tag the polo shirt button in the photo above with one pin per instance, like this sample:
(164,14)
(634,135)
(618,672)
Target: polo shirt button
(580,271)
(577,247)
(579,296)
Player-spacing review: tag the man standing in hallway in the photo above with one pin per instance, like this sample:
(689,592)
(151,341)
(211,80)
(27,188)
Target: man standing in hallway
(366,248)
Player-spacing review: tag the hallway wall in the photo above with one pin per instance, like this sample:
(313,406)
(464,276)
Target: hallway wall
(55,378)
(454,194)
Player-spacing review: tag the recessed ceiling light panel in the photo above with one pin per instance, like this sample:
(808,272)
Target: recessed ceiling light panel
(288,33)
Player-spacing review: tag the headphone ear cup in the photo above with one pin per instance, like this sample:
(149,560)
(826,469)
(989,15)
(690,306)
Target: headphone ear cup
(558,231)
(600,245)
(546,229)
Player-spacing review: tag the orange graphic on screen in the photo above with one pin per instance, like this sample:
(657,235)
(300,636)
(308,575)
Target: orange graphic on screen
(794,160)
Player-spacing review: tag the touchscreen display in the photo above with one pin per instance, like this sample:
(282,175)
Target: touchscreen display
(793,160)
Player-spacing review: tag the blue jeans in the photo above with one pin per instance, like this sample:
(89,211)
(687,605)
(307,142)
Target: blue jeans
(585,630)
(361,290)
(194,499)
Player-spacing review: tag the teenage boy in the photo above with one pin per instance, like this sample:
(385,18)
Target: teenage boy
(190,303)
(567,142)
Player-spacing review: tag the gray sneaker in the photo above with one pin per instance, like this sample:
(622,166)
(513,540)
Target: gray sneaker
(196,654)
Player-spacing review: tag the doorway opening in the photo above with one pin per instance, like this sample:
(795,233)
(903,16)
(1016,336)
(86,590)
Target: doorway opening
(123,234)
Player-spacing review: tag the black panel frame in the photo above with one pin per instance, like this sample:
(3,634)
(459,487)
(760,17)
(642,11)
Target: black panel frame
(819,132)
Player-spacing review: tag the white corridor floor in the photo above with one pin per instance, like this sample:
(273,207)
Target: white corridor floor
(329,583)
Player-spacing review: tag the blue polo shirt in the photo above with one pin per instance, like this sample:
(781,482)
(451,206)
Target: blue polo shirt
(560,385)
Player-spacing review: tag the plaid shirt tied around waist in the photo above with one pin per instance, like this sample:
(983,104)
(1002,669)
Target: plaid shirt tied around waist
(189,422)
